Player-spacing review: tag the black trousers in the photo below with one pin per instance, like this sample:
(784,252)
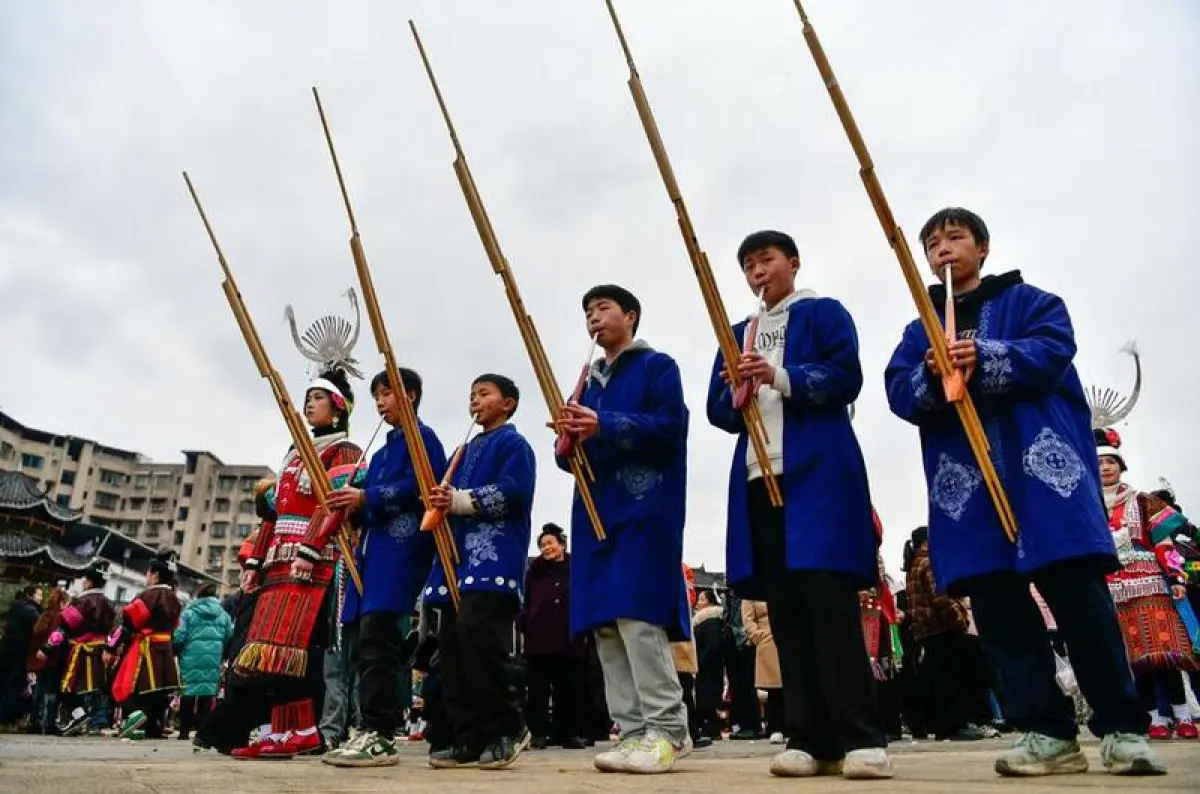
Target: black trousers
(193,711)
(379,666)
(1014,635)
(815,617)
(1170,682)
(744,710)
(563,683)
(228,726)
(687,682)
(942,670)
(477,655)
(154,706)
(775,712)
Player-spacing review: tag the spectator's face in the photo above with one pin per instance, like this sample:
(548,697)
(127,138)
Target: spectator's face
(37,595)
(552,549)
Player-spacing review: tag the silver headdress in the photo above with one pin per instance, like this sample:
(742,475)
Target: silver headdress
(1165,485)
(1108,406)
(329,340)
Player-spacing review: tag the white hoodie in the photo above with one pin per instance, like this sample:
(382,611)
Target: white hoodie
(769,343)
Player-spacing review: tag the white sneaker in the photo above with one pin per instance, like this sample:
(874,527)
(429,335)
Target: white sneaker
(654,755)
(871,763)
(797,763)
(616,759)
(777,738)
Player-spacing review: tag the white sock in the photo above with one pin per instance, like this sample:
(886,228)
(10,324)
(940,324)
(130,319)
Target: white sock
(1157,719)
(1182,712)
(306,732)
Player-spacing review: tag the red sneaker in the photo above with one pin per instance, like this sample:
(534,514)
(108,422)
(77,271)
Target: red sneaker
(251,750)
(1187,730)
(292,744)
(1159,732)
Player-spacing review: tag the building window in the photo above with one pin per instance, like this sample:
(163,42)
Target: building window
(112,478)
(221,505)
(29,461)
(7,451)
(233,578)
(225,484)
(137,503)
(67,478)
(163,480)
(141,482)
(107,501)
(158,505)
(233,553)
(183,513)
(243,531)
(220,529)
(246,506)
(120,595)
(179,537)
(63,500)
(187,489)
(248,484)
(152,529)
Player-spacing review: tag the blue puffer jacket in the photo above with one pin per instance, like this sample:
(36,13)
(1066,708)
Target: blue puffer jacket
(203,631)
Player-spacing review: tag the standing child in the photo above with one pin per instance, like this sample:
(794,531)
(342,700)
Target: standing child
(489,501)
(148,672)
(200,641)
(809,558)
(629,589)
(1020,342)
(394,557)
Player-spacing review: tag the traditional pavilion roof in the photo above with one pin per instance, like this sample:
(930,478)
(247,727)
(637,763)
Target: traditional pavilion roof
(20,494)
(28,555)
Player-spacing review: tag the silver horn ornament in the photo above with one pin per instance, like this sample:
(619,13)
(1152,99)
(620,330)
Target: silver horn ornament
(1108,406)
(329,340)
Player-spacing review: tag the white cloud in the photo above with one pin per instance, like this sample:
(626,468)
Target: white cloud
(1068,127)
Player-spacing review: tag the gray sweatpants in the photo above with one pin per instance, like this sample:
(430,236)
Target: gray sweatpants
(640,683)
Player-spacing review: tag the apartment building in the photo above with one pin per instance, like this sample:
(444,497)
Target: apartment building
(202,508)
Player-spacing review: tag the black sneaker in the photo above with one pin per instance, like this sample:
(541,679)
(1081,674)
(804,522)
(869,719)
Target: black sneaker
(574,743)
(501,754)
(453,758)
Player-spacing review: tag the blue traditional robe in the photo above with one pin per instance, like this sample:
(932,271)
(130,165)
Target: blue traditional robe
(1031,405)
(639,457)
(826,499)
(499,469)
(393,554)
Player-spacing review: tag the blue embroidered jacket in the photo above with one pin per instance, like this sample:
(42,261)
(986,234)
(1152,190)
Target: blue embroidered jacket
(393,555)
(826,499)
(1032,407)
(499,470)
(639,457)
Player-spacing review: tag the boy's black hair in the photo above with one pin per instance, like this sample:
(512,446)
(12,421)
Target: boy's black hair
(504,384)
(618,295)
(410,379)
(959,217)
(767,238)
(554,530)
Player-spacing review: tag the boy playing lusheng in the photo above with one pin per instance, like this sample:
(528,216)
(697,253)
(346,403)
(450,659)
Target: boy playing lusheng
(629,589)
(1018,343)
(394,557)
(489,502)
(809,558)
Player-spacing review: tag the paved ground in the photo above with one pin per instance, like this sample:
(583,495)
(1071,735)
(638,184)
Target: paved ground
(30,764)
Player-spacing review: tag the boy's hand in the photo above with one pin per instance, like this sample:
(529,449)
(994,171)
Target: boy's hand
(963,354)
(440,497)
(752,366)
(580,421)
(302,569)
(1178,592)
(931,364)
(346,498)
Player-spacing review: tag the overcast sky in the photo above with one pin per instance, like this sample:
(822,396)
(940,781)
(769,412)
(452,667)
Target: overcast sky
(1069,126)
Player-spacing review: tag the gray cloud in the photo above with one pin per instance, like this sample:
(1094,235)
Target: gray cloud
(1068,127)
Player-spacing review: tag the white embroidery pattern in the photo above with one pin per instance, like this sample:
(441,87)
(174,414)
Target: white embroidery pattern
(481,545)
(920,386)
(953,486)
(812,382)
(1054,462)
(639,480)
(995,364)
(491,500)
(403,526)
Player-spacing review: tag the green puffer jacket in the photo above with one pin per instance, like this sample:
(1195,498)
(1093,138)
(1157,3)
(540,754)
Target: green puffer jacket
(203,632)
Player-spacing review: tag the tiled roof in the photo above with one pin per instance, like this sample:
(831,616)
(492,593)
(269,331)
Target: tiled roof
(19,492)
(15,545)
